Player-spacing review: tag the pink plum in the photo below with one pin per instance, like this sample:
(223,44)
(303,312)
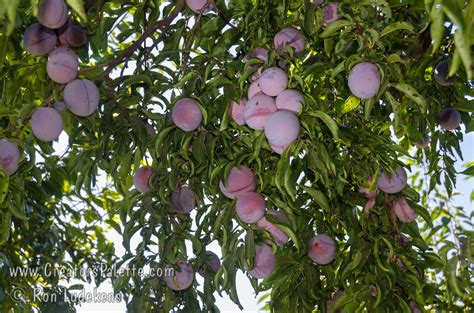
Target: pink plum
(81,97)
(282,128)
(330,12)
(52,13)
(199,6)
(183,200)
(239,182)
(9,156)
(46,124)
(212,264)
(273,81)
(141,180)
(403,210)
(278,235)
(291,37)
(291,100)
(186,114)
(39,40)
(63,65)
(424,142)
(254,89)
(414,308)
(72,35)
(322,249)
(366,192)
(364,80)
(278,149)
(183,276)
(394,183)
(236,111)
(258,110)
(60,106)
(250,207)
(449,119)
(264,263)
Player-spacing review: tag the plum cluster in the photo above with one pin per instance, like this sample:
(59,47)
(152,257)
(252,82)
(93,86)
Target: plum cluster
(57,36)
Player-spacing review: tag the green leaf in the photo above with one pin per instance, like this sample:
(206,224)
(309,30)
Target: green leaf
(350,104)
(330,123)
(319,197)
(334,27)
(78,6)
(397,26)
(412,94)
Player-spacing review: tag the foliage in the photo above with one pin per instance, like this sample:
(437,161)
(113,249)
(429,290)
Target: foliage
(144,55)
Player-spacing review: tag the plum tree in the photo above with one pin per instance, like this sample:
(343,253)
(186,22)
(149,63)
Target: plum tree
(282,129)
(212,264)
(141,179)
(39,40)
(199,6)
(403,210)
(364,80)
(289,37)
(449,119)
(330,12)
(46,124)
(273,81)
(441,72)
(278,235)
(183,200)
(322,249)
(186,114)
(257,110)
(236,111)
(9,156)
(254,89)
(250,207)
(63,65)
(291,100)
(81,97)
(183,276)
(72,35)
(264,263)
(52,13)
(239,181)
(393,183)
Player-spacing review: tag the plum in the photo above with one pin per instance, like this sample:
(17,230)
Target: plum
(260,53)
(330,13)
(336,296)
(63,65)
(141,179)
(46,124)
(183,276)
(449,119)
(440,74)
(81,97)
(254,89)
(414,308)
(424,142)
(212,264)
(258,110)
(364,80)
(250,207)
(150,130)
(282,128)
(366,192)
(278,149)
(264,263)
(394,183)
(239,182)
(52,13)
(403,210)
(183,200)
(273,81)
(291,37)
(199,6)
(9,156)
(236,111)
(72,35)
(278,235)
(60,106)
(186,114)
(322,249)
(39,40)
(291,100)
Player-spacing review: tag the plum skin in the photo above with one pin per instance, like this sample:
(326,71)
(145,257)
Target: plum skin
(141,179)
(186,114)
(403,210)
(81,97)
(63,65)
(9,156)
(258,110)
(291,100)
(39,40)
(47,124)
(393,184)
(183,277)
(449,119)
(322,249)
(254,89)
(199,6)
(239,182)
(364,80)
(273,81)
(250,207)
(236,111)
(52,13)
(211,264)
(183,200)
(72,35)
(330,13)
(291,37)
(278,235)
(282,128)
(441,72)
(264,263)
